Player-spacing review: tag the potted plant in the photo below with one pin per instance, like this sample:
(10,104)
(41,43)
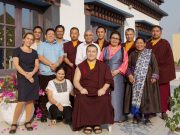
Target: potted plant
(8,99)
(173,122)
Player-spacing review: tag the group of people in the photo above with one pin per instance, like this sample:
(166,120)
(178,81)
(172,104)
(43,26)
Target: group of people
(89,83)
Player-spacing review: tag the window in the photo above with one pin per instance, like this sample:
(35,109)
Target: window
(10,29)
(109,30)
(29,20)
(7,34)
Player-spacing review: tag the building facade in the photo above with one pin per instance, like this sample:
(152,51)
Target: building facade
(20,16)
(176,47)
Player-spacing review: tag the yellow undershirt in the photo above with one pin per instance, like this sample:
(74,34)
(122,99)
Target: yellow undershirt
(154,42)
(75,43)
(128,45)
(101,43)
(91,65)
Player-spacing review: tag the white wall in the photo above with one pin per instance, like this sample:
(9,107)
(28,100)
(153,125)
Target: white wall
(130,22)
(72,15)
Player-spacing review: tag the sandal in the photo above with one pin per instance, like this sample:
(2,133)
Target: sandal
(97,129)
(13,130)
(87,130)
(136,120)
(29,128)
(53,122)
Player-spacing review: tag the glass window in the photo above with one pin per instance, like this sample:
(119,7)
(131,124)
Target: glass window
(25,18)
(9,53)
(10,14)
(1,12)
(10,36)
(8,18)
(1,58)
(1,35)
(35,18)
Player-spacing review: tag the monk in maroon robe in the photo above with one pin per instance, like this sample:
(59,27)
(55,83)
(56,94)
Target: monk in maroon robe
(163,53)
(101,33)
(70,49)
(93,82)
(129,45)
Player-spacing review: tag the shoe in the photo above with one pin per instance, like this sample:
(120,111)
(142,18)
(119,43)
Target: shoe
(136,120)
(13,130)
(29,128)
(87,130)
(164,116)
(43,119)
(97,129)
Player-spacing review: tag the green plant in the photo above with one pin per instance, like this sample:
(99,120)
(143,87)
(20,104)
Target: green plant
(173,122)
(8,87)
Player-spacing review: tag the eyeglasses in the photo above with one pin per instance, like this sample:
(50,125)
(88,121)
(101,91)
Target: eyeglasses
(115,38)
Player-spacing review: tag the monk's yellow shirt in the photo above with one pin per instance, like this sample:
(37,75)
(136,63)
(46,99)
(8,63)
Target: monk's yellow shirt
(91,65)
(128,45)
(75,43)
(154,42)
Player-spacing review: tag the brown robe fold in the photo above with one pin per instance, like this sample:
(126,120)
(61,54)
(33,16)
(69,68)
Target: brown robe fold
(90,110)
(70,50)
(164,57)
(150,102)
(106,43)
(133,48)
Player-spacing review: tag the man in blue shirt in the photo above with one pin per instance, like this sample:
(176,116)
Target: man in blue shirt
(59,32)
(50,55)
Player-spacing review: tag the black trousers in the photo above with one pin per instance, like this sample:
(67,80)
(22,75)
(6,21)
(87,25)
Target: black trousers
(43,82)
(56,114)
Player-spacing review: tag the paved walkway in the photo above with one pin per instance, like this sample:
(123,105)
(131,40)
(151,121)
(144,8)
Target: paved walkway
(156,128)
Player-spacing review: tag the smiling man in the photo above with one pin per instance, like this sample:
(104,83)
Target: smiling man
(163,52)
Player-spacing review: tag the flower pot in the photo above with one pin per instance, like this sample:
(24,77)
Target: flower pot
(7,112)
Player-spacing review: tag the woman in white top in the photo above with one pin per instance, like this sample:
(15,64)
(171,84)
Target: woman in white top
(58,91)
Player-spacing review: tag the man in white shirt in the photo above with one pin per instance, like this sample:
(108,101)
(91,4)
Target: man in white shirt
(38,32)
(81,49)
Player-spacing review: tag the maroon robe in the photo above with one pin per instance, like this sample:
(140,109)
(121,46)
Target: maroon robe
(133,48)
(91,109)
(164,56)
(70,50)
(106,43)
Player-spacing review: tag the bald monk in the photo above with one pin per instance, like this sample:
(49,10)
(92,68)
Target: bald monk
(93,82)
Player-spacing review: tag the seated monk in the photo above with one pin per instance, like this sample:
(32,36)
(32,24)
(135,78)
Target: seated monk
(93,82)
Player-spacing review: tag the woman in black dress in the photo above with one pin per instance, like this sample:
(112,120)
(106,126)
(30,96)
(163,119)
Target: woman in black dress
(26,63)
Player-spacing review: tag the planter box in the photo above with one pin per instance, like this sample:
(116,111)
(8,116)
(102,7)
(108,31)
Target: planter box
(7,112)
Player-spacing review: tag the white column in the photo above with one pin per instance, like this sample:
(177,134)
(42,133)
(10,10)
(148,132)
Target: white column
(72,15)
(129,23)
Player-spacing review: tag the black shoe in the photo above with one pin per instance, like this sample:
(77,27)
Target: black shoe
(43,119)
(147,121)
(13,131)
(164,116)
(29,128)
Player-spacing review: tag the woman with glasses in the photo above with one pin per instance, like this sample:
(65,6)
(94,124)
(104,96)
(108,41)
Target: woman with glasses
(116,58)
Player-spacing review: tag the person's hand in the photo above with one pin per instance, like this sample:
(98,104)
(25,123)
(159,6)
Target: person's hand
(153,80)
(131,79)
(115,72)
(53,66)
(83,91)
(60,107)
(71,65)
(30,73)
(101,92)
(31,80)
(28,76)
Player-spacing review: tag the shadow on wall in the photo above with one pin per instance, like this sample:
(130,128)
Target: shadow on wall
(66,2)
